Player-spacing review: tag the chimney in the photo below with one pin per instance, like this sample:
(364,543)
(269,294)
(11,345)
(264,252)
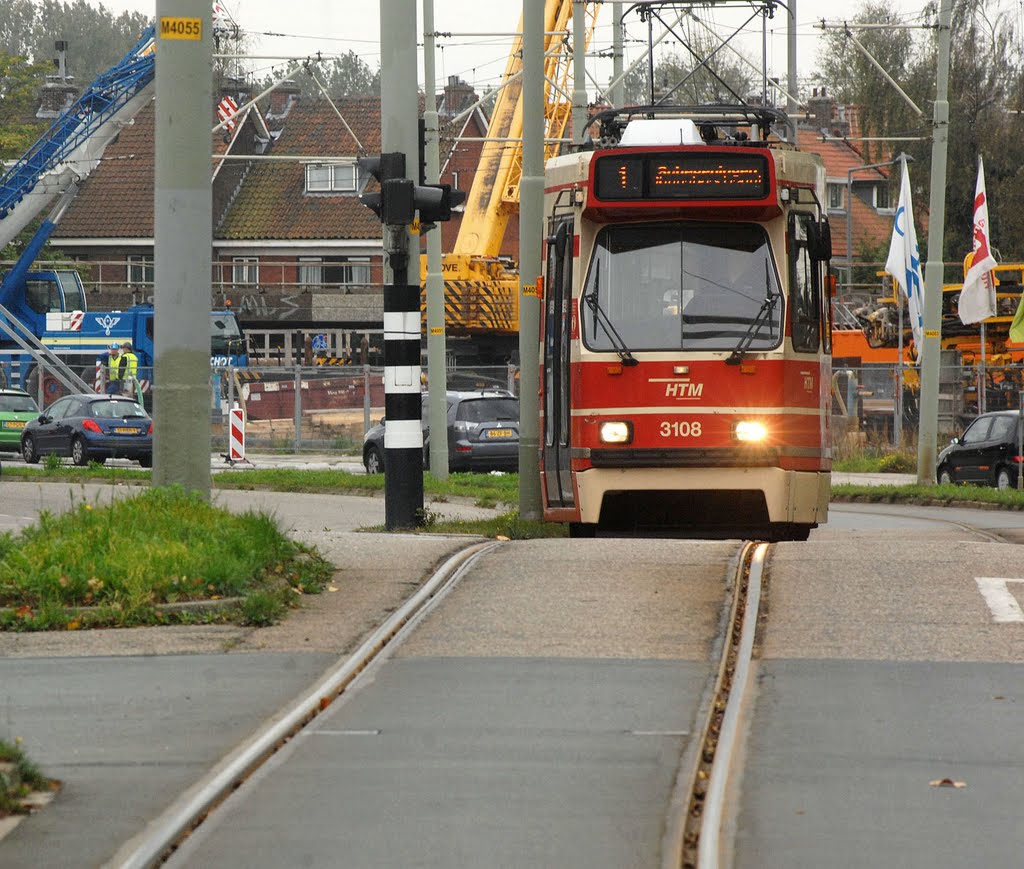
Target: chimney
(59,92)
(457,95)
(282,98)
(822,110)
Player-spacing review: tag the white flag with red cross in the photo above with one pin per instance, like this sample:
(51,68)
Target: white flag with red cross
(978,297)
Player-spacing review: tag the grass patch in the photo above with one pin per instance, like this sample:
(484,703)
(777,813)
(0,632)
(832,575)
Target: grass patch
(116,565)
(507,525)
(1006,499)
(485,490)
(19,777)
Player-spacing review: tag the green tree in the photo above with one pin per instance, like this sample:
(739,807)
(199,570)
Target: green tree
(96,38)
(700,72)
(345,76)
(19,98)
(852,79)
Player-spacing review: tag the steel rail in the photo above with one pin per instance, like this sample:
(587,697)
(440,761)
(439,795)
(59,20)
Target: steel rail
(709,846)
(692,840)
(155,843)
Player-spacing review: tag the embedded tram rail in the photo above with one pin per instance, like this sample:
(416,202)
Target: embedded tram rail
(658,676)
(694,812)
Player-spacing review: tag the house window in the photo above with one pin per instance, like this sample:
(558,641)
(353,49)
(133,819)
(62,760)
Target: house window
(346,271)
(835,196)
(311,271)
(883,202)
(140,270)
(245,270)
(355,272)
(331,178)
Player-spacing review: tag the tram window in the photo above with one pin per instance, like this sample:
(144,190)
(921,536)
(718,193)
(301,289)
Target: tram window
(681,286)
(804,286)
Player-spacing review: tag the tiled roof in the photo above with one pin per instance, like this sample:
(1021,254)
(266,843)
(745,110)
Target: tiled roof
(116,200)
(869,226)
(272,204)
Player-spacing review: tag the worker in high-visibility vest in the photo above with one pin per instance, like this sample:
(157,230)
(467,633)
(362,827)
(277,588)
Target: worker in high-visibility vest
(114,370)
(129,368)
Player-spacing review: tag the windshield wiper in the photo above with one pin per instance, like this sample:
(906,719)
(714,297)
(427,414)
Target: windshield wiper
(763,315)
(605,322)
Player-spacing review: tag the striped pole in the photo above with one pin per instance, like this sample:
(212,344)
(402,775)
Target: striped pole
(403,434)
(403,437)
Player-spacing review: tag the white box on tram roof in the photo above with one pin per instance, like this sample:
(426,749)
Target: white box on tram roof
(660,132)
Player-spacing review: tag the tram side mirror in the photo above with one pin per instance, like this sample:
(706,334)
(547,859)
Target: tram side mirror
(819,240)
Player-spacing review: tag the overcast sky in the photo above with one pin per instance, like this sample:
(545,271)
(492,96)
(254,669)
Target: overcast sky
(337,26)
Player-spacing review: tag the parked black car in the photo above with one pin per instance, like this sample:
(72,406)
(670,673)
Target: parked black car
(986,454)
(483,433)
(90,427)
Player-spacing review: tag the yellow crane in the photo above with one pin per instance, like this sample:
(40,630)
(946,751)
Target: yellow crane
(482,288)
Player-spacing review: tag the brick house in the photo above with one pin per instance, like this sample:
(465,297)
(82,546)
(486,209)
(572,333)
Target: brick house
(294,251)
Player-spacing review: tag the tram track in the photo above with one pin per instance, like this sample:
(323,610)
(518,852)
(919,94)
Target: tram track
(158,842)
(704,787)
(697,808)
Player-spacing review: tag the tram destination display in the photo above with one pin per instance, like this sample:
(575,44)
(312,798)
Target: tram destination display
(686,175)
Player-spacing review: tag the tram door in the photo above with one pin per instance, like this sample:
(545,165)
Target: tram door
(558,491)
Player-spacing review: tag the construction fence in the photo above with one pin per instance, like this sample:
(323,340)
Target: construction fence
(882,402)
(315,409)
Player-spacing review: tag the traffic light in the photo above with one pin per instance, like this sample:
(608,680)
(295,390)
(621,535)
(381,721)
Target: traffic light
(393,204)
(435,202)
(400,198)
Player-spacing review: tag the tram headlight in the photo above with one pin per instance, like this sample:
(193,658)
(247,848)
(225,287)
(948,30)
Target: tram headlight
(616,432)
(750,431)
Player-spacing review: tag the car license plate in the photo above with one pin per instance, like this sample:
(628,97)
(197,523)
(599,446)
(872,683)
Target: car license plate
(124,430)
(499,433)
(13,423)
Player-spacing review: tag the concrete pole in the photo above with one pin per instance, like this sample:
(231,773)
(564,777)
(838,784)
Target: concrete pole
(617,92)
(933,272)
(403,437)
(437,374)
(579,70)
(531,228)
(792,105)
(183,218)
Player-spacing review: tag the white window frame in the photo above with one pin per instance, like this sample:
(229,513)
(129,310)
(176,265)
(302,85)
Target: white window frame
(332,178)
(353,271)
(881,194)
(311,271)
(832,188)
(137,265)
(245,270)
(318,178)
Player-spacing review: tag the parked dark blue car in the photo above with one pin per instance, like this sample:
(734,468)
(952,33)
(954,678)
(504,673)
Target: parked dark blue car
(90,428)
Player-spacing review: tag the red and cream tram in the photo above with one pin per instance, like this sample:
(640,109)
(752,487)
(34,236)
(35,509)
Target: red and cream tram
(686,330)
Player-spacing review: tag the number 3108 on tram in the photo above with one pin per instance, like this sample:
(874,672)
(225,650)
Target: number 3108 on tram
(686,331)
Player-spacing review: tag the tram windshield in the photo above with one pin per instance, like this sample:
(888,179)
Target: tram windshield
(682,287)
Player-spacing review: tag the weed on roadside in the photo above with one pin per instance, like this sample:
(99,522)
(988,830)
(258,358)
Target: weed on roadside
(19,777)
(118,564)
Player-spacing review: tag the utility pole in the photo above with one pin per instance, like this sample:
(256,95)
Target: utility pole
(403,437)
(617,90)
(933,273)
(792,82)
(437,374)
(531,229)
(183,218)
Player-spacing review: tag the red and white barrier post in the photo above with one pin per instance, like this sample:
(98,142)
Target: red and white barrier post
(236,435)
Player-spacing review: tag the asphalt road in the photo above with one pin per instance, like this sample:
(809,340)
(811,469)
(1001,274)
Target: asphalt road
(539,714)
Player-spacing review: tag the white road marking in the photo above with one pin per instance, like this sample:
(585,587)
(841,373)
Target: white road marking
(1001,602)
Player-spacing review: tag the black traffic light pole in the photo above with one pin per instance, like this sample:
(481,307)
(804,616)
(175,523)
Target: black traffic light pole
(396,205)
(403,436)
